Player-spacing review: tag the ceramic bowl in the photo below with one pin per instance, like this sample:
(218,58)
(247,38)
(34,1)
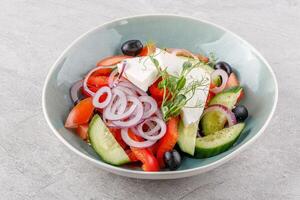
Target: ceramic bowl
(256,76)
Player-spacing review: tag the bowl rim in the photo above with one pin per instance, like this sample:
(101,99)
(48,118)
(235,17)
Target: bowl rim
(159,174)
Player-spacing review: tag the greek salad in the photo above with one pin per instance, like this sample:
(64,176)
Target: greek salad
(152,106)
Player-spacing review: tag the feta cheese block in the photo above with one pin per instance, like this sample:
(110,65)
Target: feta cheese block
(140,71)
(193,110)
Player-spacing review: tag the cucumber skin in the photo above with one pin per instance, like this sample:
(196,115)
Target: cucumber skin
(209,152)
(187,137)
(227,98)
(212,122)
(121,161)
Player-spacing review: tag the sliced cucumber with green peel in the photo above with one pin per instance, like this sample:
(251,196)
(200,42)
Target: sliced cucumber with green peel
(187,137)
(217,142)
(215,121)
(105,144)
(228,97)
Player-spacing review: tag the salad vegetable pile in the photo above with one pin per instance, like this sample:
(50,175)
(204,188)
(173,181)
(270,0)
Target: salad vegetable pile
(153,106)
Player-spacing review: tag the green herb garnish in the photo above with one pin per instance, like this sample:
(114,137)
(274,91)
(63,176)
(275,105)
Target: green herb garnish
(176,90)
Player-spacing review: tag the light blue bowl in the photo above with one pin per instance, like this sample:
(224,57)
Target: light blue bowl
(195,35)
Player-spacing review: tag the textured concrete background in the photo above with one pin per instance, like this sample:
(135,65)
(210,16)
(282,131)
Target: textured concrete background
(35,165)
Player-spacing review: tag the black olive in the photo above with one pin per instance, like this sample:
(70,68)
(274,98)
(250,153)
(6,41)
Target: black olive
(172,159)
(225,66)
(132,47)
(240,112)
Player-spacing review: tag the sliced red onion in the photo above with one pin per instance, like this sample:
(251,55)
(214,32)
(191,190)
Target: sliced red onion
(111,78)
(130,142)
(124,63)
(159,114)
(224,76)
(150,135)
(119,102)
(126,90)
(74,92)
(99,93)
(148,101)
(133,87)
(136,117)
(108,114)
(224,110)
(85,87)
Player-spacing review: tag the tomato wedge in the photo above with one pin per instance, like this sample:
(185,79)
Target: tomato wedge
(98,81)
(148,49)
(103,72)
(157,93)
(144,155)
(117,134)
(82,131)
(131,155)
(233,82)
(80,114)
(112,60)
(169,140)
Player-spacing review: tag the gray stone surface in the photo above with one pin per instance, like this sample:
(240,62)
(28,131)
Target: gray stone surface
(34,164)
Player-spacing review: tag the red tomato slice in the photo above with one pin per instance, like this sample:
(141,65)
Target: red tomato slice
(148,49)
(233,82)
(149,161)
(169,140)
(131,155)
(209,97)
(98,81)
(144,51)
(117,134)
(80,114)
(82,131)
(113,60)
(103,72)
(154,148)
(156,93)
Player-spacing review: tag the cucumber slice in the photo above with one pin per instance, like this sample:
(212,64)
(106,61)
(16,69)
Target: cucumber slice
(228,97)
(105,144)
(187,137)
(217,142)
(215,121)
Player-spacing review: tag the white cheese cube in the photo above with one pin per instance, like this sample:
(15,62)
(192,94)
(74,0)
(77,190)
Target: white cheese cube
(140,71)
(193,110)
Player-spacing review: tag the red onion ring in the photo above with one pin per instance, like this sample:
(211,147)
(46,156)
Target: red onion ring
(153,106)
(112,79)
(135,118)
(150,135)
(85,87)
(126,90)
(119,105)
(133,87)
(224,110)
(132,143)
(108,114)
(124,64)
(74,91)
(98,94)
(224,76)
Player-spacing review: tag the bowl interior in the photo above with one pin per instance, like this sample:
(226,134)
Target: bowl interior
(165,31)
